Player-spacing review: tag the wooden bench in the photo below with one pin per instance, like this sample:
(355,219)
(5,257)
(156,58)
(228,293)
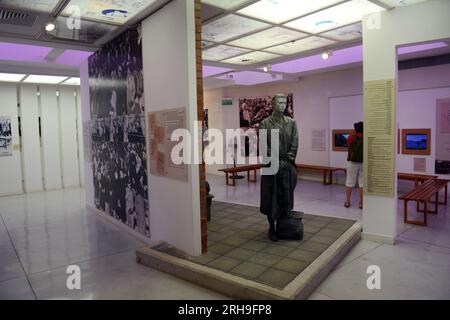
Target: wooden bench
(230,173)
(423,194)
(327,172)
(417,178)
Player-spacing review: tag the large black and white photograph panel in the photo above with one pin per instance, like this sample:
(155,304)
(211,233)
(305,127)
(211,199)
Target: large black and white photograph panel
(118,142)
(115,77)
(252,111)
(5,137)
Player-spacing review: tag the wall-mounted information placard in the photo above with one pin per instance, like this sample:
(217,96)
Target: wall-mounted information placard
(161,125)
(379,146)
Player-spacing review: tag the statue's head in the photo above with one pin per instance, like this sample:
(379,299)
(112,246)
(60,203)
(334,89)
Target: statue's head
(279,102)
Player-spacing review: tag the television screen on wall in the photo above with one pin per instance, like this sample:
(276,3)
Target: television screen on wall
(341,140)
(416,141)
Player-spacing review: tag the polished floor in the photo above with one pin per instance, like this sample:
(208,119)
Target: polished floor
(42,233)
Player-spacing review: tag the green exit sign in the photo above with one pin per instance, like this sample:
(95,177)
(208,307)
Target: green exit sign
(227,102)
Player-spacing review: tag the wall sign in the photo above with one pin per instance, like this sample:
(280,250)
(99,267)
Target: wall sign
(161,125)
(5,137)
(379,135)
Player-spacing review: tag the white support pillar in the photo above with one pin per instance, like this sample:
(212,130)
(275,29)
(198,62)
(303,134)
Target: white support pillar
(382,34)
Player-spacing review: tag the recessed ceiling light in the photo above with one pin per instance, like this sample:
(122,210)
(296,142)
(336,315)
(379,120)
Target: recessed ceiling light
(44,79)
(11,77)
(49,27)
(326,54)
(267,68)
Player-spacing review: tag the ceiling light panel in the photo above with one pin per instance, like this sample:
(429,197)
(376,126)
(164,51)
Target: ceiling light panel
(40,5)
(278,11)
(301,45)
(268,38)
(251,58)
(334,17)
(11,77)
(400,3)
(44,79)
(347,33)
(222,52)
(115,12)
(230,26)
(225,4)
(72,82)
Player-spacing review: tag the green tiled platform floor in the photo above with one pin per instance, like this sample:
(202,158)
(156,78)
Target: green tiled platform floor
(238,244)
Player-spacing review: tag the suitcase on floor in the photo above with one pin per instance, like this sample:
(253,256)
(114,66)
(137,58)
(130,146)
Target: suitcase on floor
(290,227)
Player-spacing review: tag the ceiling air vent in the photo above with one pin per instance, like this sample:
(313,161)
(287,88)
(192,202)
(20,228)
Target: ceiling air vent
(18,18)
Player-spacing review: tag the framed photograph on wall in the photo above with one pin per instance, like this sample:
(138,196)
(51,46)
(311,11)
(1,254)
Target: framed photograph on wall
(340,139)
(416,141)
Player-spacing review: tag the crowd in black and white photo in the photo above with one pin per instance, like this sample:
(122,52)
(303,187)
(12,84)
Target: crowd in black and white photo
(5,136)
(118,144)
(254,110)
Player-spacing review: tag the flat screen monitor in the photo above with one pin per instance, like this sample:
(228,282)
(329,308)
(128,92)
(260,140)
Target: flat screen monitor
(341,140)
(415,141)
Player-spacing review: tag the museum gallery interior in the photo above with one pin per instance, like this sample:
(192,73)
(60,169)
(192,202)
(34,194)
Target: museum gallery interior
(225,149)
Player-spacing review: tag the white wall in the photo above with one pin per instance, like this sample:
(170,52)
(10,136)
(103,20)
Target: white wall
(416,110)
(50,138)
(168,39)
(395,27)
(69,145)
(31,147)
(10,167)
(39,161)
(344,112)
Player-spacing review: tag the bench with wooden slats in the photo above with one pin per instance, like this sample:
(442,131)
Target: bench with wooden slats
(417,178)
(230,173)
(327,172)
(423,193)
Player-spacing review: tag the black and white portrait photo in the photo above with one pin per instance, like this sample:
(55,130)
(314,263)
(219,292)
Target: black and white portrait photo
(118,143)
(5,136)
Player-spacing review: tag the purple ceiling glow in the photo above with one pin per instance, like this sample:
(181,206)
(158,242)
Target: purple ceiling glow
(248,78)
(211,71)
(339,57)
(73,57)
(421,47)
(23,52)
(30,53)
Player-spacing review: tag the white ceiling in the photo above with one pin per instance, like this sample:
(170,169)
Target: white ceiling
(254,32)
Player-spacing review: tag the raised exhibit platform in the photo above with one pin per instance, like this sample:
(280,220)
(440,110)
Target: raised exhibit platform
(242,263)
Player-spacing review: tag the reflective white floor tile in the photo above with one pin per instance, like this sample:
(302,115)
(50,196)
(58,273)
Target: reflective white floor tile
(361,248)
(16,289)
(117,277)
(408,271)
(10,267)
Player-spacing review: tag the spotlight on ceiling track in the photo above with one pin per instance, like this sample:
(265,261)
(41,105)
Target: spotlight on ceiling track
(326,54)
(49,27)
(267,68)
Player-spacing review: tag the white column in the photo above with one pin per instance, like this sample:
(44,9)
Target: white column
(428,21)
(169,56)
(31,147)
(69,145)
(50,137)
